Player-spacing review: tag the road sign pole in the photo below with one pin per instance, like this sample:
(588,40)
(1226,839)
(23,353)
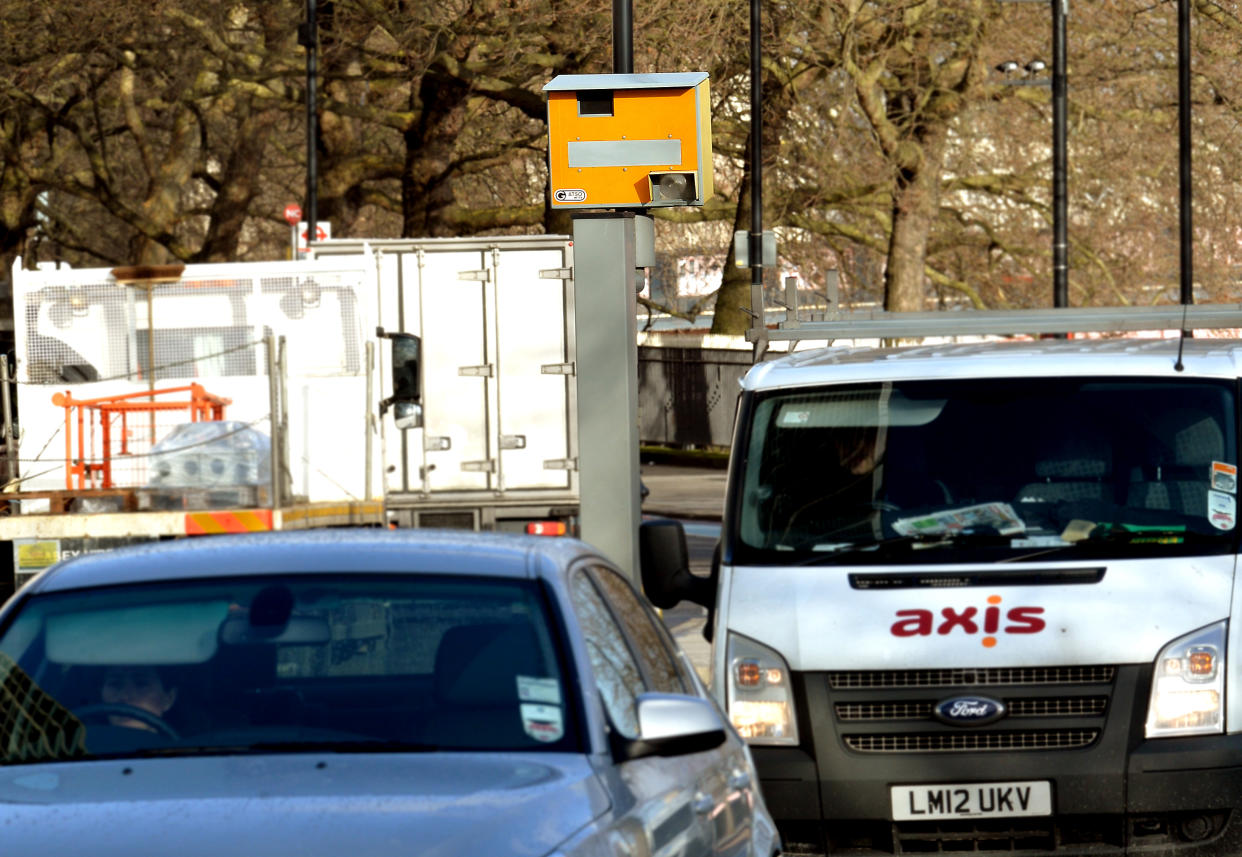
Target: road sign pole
(605,313)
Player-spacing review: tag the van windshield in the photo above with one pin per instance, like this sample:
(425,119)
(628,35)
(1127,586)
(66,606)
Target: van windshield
(993,469)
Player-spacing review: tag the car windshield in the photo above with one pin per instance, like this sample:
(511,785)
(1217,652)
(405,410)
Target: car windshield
(284,664)
(989,470)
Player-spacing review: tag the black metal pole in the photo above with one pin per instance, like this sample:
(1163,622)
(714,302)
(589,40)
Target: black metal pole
(756,154)
(1183,148)
(622,37)
(308,37)
(1060,206)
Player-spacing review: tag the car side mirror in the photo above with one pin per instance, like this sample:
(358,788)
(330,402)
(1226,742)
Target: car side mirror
(672,724)
(664,562)
(406,398)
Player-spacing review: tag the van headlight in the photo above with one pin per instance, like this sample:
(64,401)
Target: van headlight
(1188,685)
(759,696)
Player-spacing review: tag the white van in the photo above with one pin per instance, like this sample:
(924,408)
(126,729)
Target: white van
(978,598)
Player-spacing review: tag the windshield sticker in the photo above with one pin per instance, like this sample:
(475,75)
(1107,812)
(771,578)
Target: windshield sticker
(794,418)
(1224,477)
(543,722)
(999,516)
(532,689)
(1222,510)
(1050,541)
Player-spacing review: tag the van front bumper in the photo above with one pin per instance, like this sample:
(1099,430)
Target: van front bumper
(1119,795)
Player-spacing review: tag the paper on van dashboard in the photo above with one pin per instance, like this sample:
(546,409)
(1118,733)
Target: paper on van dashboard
(999,516)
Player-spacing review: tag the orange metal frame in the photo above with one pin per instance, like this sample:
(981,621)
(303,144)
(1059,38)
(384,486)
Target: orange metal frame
(203,407)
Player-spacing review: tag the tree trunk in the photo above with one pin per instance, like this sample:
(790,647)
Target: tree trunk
(426,186)
(239,186)
(734,296)
(916,200)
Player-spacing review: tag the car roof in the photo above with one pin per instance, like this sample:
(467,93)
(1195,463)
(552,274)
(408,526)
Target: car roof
(350,550)
(1207,358)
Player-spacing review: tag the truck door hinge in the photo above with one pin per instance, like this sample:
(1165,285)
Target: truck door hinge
(560,464)
(483,275)
(557,369)
(484,371)
(486,466)
(437,444)
(513,441)
(556,274)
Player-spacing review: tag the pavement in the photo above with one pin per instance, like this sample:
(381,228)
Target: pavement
(695,496)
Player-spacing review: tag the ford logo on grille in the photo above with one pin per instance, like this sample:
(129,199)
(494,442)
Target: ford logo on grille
(969,711)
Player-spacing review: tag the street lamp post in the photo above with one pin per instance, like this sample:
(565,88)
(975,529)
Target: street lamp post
(308,37)
(1060,161)
(1060,206)
(755,241)
(1185,211)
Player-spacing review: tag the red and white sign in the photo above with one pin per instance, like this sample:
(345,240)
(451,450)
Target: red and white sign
(293,214)
(323,233)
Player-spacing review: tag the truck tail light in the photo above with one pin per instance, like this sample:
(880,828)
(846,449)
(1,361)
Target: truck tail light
(546,528)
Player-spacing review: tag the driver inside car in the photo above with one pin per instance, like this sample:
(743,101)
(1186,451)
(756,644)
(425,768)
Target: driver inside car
(140,687)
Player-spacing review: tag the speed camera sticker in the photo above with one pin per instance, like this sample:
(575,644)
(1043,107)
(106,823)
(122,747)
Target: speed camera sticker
(569,194)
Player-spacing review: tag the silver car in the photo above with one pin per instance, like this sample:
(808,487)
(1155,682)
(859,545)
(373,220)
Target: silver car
(359,692)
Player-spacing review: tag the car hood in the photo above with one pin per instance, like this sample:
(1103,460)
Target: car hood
(305,804)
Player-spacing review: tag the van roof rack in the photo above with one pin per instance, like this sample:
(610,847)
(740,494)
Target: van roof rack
(869,324)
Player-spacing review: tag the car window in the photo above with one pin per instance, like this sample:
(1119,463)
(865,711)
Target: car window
(617,674)
(349,662)
(650,646)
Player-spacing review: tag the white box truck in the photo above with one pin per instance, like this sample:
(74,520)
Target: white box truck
(164,401)
(984,597)
(415,383)
(496,443)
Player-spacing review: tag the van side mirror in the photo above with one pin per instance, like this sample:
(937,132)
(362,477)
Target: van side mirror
(406,395)
(664,563)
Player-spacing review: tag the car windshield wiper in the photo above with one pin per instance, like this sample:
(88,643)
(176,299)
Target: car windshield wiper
(334,746)
(326,745)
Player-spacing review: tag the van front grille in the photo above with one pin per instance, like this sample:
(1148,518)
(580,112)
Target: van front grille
(877,679)
(972,742)
(1044,708)
(1066,706)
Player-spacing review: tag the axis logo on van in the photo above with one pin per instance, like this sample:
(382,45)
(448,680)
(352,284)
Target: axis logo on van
(991,620)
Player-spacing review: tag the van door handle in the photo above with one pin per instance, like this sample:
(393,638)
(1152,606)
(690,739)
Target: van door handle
(703,803)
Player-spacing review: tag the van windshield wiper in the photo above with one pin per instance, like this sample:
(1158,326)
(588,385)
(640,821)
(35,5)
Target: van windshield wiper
(912,542)
(1087,535)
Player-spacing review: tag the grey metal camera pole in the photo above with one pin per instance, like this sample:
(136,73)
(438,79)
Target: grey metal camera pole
(605,321)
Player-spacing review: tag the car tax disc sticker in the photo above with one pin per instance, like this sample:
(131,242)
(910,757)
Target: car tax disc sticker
(1222,510)
(544,723)
(531,689)
(1224,477)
